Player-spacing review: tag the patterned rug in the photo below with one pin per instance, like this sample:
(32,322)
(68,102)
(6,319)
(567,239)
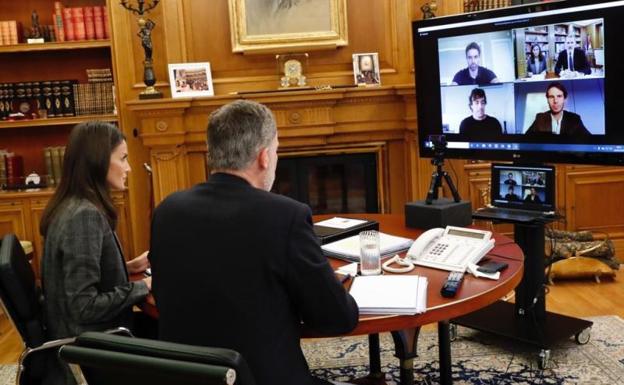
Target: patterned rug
(480,358)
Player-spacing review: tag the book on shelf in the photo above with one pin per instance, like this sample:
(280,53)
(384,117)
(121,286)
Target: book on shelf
(57,164)
(47,157)
(77,14)
(3,170)
(68,24)
(106,22)
(390,294)
(57,19)
(89,23)
(98,23)
(14,169)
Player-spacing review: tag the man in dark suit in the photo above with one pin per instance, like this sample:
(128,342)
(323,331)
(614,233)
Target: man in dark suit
(557,121)
(237,266)
(571,60)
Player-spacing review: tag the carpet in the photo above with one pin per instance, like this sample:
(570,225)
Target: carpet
(478,358)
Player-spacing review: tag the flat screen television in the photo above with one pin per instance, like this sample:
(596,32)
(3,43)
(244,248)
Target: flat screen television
(542,82)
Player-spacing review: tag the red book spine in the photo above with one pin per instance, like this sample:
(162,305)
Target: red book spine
(68,24)
(89,23)
(98,21)
(79,24)
(15,169)
(107,31)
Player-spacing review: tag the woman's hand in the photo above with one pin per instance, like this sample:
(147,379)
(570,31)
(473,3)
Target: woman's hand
(138,264)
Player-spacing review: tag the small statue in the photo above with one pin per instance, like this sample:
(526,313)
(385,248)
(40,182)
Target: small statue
(145,33)
(35,29)
(427,10)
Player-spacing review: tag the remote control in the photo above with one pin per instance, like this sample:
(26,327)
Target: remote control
(452,284)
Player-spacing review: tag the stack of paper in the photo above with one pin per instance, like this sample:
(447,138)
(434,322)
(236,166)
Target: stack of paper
(390,294)
(349,248)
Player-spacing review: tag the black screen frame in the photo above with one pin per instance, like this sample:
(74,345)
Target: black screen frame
(429,111)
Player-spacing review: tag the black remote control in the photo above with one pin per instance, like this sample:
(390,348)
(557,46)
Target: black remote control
(452,284)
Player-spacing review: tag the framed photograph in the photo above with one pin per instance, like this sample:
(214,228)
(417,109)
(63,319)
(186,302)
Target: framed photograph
(366,69)
(277,26)
(190,79)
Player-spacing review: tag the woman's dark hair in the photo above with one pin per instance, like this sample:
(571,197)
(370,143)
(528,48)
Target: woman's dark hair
(85,167)
(540,57)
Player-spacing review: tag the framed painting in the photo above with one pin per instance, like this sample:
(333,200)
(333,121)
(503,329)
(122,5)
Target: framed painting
(274,26)
(190,79)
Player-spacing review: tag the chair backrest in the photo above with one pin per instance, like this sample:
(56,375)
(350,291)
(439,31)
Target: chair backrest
(22,299)
(19,293)
(110,359)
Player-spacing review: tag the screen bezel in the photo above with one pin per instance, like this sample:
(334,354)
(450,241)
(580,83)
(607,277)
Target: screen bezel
(520,156)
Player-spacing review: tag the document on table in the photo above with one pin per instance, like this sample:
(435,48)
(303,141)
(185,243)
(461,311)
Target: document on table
(349,248)
(390,294)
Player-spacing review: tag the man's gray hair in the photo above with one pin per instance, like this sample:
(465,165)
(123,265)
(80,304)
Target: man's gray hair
(237,132)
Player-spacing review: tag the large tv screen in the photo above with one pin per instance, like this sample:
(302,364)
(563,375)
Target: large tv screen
(539,82)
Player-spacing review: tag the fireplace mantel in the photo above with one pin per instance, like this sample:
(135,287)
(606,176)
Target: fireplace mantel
(174,130)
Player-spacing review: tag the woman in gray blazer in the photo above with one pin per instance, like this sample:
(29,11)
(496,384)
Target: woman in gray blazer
(83,270)
(536,62)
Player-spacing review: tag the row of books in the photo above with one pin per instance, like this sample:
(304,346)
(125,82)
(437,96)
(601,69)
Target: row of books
(479,5)
(53,157)
(80,23)
(59,98)
(10,32)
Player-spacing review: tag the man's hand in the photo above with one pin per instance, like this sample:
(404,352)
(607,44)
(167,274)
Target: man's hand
(138,264)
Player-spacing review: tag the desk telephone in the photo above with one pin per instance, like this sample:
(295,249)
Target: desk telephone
(452,248)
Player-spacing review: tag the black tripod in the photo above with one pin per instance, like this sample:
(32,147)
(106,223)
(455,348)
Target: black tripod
(436,177)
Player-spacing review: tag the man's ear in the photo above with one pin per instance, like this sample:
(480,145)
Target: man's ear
(263,158)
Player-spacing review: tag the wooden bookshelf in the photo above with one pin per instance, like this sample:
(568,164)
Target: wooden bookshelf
(55,46)
(71,120)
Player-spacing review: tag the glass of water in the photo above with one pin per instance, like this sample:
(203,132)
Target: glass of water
(370,259)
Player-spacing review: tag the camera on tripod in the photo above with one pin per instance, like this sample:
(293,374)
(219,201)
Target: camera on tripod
(438,145)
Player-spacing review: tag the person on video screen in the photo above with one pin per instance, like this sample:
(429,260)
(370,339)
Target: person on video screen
(532,197)
(479,126)
(557,121)
(538,180)
(536,63)
(511,195)
(510,180)
(474,73)
(571,60)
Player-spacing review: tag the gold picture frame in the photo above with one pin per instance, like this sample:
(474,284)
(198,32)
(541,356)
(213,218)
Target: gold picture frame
(277,26)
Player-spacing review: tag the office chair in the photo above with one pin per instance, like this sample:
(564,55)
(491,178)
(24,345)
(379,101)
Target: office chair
(21,300)
(108,359)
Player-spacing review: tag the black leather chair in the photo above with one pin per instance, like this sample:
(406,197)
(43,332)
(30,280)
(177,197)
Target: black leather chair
(21,299)
(106,359)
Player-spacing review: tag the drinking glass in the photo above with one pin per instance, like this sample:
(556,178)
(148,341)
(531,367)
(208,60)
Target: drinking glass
(370,259)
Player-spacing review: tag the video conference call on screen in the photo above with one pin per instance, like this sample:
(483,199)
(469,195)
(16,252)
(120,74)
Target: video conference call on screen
(534,82)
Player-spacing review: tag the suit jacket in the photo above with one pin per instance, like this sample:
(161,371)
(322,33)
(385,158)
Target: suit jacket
(84,277)
(238,267)
(579,60)
(572,127)
(536,69)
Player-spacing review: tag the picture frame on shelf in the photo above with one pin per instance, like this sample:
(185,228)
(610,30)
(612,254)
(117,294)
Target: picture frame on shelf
(366,69)
(287,26)
(190,80)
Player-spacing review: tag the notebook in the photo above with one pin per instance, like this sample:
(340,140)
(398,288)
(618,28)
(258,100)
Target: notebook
(390,294)
(348,249)
(520,193)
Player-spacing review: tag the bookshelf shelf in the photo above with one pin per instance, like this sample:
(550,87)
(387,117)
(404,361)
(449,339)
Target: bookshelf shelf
(72,120)
(55,46)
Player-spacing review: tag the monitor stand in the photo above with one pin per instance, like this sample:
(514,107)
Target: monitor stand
(527,320)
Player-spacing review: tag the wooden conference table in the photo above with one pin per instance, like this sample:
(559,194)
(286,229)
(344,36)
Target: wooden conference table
(474,294)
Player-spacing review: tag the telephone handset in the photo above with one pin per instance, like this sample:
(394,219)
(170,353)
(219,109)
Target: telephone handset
(451,248)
